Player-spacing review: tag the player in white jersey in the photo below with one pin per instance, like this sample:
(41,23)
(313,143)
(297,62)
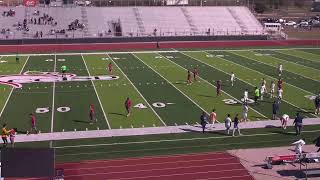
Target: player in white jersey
(272,87)
(232,78)
(280,92)
(245,97)
(280,69)
(245,112)
(284,119)
(263,90)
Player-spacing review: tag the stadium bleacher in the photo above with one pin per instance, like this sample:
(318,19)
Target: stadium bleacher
(136,21)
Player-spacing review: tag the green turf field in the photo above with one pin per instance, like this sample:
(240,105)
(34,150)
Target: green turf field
(156,83)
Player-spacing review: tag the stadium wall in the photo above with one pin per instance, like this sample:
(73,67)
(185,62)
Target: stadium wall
(84,47)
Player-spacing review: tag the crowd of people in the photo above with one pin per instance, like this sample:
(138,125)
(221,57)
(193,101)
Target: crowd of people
(10,13)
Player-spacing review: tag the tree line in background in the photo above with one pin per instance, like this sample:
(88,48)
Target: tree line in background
(262,5)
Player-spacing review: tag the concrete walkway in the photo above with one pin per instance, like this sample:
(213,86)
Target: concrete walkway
(150,130)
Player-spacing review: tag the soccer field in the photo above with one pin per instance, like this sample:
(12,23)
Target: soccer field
(156,83)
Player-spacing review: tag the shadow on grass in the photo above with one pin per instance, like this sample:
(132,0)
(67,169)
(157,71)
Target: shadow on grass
(294,173)
(81,121)
(118,114)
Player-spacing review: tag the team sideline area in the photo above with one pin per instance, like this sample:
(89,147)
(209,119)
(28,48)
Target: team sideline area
(63,90)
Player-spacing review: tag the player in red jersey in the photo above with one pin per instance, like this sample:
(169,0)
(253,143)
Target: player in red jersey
(12,135)
(33,128)
(280,83)
(128,105)
(195,74)
(219,87)
(110,68)
(92,114)
(189,81)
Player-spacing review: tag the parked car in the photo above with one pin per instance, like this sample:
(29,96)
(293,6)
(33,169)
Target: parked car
(290,23)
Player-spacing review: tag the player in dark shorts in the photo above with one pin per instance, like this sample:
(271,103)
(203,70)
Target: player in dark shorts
(110,68)
(317,104)
(128,105)
(219,87)
(33,128)
(17,59)
(195,74)
(92,114)
(189,81)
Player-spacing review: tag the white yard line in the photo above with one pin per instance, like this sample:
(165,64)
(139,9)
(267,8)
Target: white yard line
(302,57)
(94,87)
(308,67)
(5,104)
(164,51)
(171,84)
(225,73)
(277,67)
(215,87)
(254,85)
(53,97)
(263,73)
(137,90)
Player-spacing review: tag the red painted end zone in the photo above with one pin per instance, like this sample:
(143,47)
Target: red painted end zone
(48,48)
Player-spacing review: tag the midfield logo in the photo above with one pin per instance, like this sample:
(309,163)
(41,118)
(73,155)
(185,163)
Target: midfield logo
(17,80)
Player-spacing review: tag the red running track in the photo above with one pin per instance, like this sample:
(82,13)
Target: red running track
(215,166)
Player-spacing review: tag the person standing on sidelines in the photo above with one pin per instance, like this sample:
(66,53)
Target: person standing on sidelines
(12,135)
(128,104)
(227,124)
(317,104)
(256,95)
(275,109)
(4,134)
(110,68)
(213,117)
(272,89)
(298,124)
(298,146)
(64,70)
(236,125)
(232,78)
(317,143)
(245,112)
(284,119)
(195,74)
(203,121)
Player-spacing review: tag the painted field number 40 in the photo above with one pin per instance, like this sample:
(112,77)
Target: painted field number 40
(156,105)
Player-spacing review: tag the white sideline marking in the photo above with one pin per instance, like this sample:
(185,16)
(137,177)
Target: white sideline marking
(137,90)
(5,104)
(263,75)
(272,65)
(138,52)
(95,90)
(225,73)
(103,166)
(53,98)
(171,84)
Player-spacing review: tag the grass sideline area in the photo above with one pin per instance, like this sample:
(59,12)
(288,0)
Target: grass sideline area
(156,83)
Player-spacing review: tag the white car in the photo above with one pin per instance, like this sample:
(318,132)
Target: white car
(290,23)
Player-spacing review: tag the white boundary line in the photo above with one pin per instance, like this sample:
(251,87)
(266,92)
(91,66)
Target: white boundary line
(225,73)
(306,52)
(216,87)
(95,90)
(137,52)
(53,97)
(282,61)
(136,89)
(308,67)
(263,73)
(171,84)
(255,86)
(5,104)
